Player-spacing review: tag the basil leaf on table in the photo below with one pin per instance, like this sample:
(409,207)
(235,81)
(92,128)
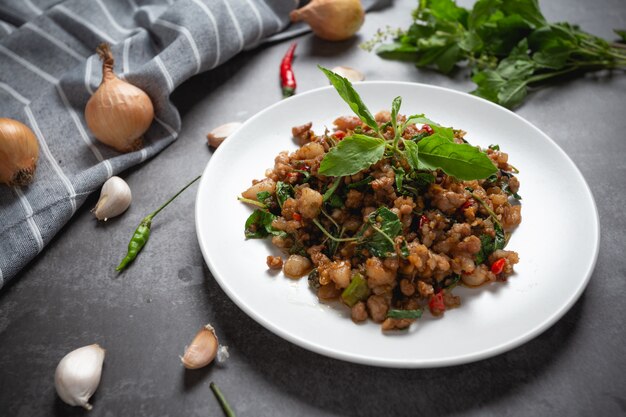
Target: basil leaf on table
(350,96)
(462,161)
(353,154)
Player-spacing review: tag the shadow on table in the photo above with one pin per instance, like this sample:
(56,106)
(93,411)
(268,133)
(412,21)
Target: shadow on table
(349,389)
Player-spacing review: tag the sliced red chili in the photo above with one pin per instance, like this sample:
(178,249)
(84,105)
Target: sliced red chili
(468,203)
(428,129)
(423,220)
(297,217)
(498,266)
(436,304)
(340,134)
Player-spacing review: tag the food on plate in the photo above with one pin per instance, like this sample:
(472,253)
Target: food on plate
(388,213)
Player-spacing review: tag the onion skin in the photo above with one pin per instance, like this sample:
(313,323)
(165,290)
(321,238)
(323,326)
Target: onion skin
(118,113)
(332,20)
(19,153)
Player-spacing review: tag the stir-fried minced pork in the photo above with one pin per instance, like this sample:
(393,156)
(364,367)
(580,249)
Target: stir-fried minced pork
(448,231)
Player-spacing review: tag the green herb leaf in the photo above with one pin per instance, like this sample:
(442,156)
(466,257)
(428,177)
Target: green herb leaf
(399,177)
(487,246)
(350,96)
(259,225)
(404,314)
(411,151)
(365,181)
(500,240)
(283,192)
(621,34)
(329,193)
(387,226)
(462,161)
(395,108)
(353,154)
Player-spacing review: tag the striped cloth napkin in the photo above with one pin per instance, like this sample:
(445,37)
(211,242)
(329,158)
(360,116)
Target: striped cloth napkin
(48,71)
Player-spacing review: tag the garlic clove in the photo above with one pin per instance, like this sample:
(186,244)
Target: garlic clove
(115,198)
(19,153)
(78,375)
(220,133)
(350,73)
(202,350)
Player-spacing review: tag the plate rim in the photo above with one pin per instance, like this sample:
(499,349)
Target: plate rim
(548,322)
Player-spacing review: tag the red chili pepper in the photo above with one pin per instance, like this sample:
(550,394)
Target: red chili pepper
(468,203)
(297,217)
(435,304)
(423,220)
(498,266)
(340,134)
(428,129)
(287,77)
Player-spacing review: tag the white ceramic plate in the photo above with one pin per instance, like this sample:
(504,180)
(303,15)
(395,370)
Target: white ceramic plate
(557,241)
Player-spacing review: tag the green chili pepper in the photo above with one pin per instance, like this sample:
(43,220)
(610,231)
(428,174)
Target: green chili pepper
(220,398)
(142,233)
(356,291)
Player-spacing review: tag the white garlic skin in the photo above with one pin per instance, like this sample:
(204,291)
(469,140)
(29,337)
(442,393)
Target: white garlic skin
(78,375)
(115,198)
(349,73)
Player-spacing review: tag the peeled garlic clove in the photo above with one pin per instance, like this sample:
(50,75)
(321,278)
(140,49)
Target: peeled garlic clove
(202,350)
(78,375)
(220,133)
(19,153)
(350,73)
(115,197)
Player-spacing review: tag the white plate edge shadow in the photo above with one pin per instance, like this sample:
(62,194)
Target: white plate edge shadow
(391,362)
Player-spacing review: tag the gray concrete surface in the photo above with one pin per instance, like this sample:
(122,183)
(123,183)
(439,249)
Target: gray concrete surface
(70,296)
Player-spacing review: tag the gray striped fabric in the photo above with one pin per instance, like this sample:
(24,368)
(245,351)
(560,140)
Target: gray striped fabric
(48,71)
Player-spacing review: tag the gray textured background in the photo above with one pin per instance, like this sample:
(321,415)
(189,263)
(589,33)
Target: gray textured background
(69,295)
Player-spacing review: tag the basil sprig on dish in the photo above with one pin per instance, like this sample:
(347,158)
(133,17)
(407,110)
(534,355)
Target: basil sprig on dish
(436,151)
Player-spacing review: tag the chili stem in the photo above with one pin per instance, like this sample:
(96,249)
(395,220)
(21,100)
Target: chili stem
(253,202)
(228,411)
(154,213)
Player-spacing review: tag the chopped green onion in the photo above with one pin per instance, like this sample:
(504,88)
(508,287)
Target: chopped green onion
(404,314)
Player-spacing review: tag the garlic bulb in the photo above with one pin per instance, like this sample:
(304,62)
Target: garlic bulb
(115,197)
(333,20)
(203,349)
(78,375)
(118,113)
(349,73)
(19,153)
(220,133)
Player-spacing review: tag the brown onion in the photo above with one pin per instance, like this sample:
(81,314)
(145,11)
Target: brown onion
(118,113)
(332,20)
(19,153)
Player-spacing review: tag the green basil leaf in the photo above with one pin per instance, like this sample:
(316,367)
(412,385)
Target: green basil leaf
(512,93)
(350,96)
(259,225)
(462,161)
(361,183)
(381,241)
(398,51)
(487,246)
(500,240)
(621,34)
(333,187)
(411,151)
(446,132)
(283,192)
(353,154)
(399,174)
(395,108)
